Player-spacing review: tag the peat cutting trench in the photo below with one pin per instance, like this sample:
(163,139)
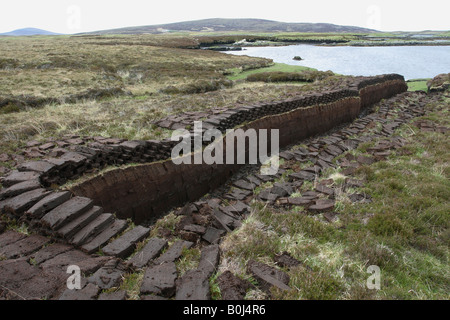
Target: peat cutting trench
(71,226)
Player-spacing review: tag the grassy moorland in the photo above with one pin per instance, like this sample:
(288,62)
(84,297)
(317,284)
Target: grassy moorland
(52,86)
(118,86)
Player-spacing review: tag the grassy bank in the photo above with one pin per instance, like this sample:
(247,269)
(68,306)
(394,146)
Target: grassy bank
(239,74)
(417,85)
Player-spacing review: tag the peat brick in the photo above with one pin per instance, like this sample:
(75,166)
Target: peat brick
(17,177)
(223,221)
(189,236)
(326,190)
(152,249)
(108,276)
(20,188)
(60,262)
(73,227)
(117,227)
(213,235)
(303,175)
(125,245)
(49,252)
(23,247)
(282,189)
(92,264)
(92,229)
(266,195)
(160,280)
(36,166)
(174,252)
(46,146)
(268,276)
(286,260)
(26,281)
(89,292)
(48,203)
(300,201)
(24,201)
(209,260)
(74,158)
(264,178)
(238,194)
(322,205)
(324,165)
(242,184)
(254,180)
(239,207)
(330,216)
(66,212)
(195,228)
(232,287)
(9,237)
(311,194)
(286,155)
(193,285)
(365,160)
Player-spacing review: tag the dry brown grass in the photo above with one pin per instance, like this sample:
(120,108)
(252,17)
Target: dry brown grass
(58,66)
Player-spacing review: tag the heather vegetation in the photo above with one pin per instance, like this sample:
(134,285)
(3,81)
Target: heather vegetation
(119,86)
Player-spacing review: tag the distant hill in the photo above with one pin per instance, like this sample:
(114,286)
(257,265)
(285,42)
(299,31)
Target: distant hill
(256,25)
(29,32)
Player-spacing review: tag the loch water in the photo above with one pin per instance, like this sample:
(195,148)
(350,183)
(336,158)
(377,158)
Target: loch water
(413,62)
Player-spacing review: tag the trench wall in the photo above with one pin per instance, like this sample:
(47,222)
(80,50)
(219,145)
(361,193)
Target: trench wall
(146,191)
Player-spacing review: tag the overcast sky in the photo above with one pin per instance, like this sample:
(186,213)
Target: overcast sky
(73,16)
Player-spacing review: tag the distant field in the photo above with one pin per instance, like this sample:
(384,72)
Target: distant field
(237,74)
(418,85)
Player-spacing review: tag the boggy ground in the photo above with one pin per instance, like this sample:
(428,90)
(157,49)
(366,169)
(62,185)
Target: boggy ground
(340,203)
(333,212)
(120,86)
(384,202)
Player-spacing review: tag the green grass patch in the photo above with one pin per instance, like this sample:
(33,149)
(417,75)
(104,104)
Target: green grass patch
(238,74)
(417,85)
